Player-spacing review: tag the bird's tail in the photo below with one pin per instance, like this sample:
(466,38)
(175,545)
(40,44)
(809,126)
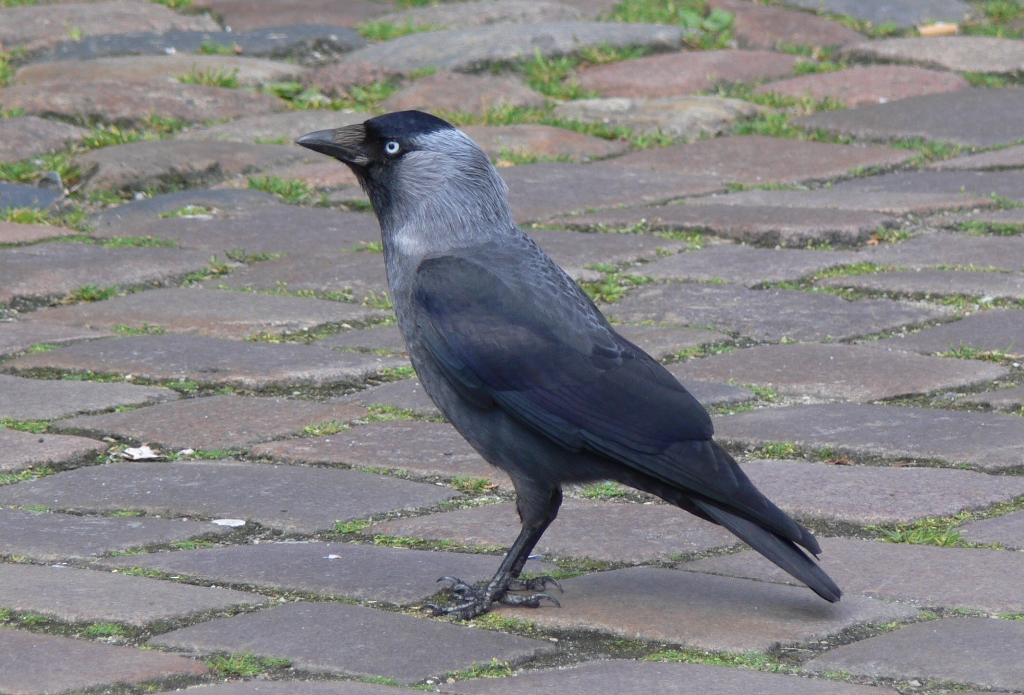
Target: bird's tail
(782,552)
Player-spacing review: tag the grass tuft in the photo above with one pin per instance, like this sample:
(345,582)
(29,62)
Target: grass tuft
(245,665)
(211,77)
(777,450)
(93,293)
(707,29)
(473,486)
(607,490)
(33,426)
(385,31)
(292,191)
(350,526)
(323,429)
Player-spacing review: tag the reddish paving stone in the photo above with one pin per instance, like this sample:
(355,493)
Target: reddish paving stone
(996,329)
(704,612)
(426,449)
(1007,530)
(295,499)
(685,117)
(473,94)
(49,664)
(406,394)
(360,276)
(862,495)
(39,399)
(321,175)
(50,537)
(541,140)
(474,14)
(973,651)
(354,641)
(958,53)
(768,315)
(23,137)
(663,343)
(335,79)
(620,677)
(212,362)
(213,313)
(291,687)
(888,202)
(350,570)
(674,74)
(770,26)
(999,253)
(538,192)
(377,338)
(32,276)
(1007,158)
(245,15)
(603,531)
(874,84)
(980,580)
(19,336)
(848,372)
(757,159)
(217,422)
(148,164)
(279,126)
(33,27)
(1009,184)
(988,441)
(80,596)
(764,225)
(744,264)
(21,450)
(973,117)
(576,252)
(936,283)
(13,233)
(108,100)
(1002,399)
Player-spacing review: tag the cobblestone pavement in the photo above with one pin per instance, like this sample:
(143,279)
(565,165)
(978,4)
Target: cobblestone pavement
(217,469)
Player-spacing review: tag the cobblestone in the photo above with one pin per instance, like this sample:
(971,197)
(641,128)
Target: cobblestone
(35,399)
(406,394)
(875,84)
(960,53)
(22,450)
(998,329)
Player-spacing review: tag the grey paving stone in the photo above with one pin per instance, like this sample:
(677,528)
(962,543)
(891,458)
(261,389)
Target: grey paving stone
(965,578)
(710,394)
(15,233)
(418,448)
(771,26)
(1014,218)
(34,276)
(217,422)
(763,225)
(475,48)
(972,651)
(474,14)
(287,126)
(108,100)
(50,537)
(744,265)
(350,570)
(884,201)
(266,229)
(1002,399)
(23,137)
(542,140)
(862,495)
(376,338)
(81,596)
(31,27)
(704,612)
(49,664)
(20,450)
(604,531)
(1009,184)
(757,159)
(37,399)
(687,117)
(354,641)
(294,499)
(620,677)
(251,72)
(538,192)
(213,202)
(1006,158)
(1007,530)
(18,195)
(936,283)
(474,94)
(213,313)
(904,13)
(847,372)
(662,343)
(686,72)
(995,329)
(19,336)
(406,394)
(960,53)
(246,15)
(290,687)
(868,84)
(360,276)
(212,362)
(769,315)
(999,253)
(974,117)
(161,163)
(575,252)
(987,441)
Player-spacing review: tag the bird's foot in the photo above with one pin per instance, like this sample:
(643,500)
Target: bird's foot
(534,584)
(474,601)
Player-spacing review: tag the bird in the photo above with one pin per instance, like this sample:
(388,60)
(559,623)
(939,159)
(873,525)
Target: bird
(527,368)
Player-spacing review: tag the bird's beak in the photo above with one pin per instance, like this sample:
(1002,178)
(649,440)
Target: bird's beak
(344,144)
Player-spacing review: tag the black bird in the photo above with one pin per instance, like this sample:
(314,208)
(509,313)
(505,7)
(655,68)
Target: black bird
(524,365)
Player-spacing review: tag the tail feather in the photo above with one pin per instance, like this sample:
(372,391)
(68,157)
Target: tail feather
(781,551)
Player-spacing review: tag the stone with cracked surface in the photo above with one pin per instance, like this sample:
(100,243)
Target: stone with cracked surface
(38,399)
(868,84)
(687,117)
(22,450)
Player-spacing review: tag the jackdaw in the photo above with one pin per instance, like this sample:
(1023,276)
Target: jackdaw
(524,365)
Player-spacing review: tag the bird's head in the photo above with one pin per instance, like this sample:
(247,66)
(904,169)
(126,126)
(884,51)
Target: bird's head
(417,168)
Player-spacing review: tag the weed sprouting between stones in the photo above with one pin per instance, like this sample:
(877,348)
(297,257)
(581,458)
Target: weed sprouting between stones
(246,665)
(350,527)
(93,293)
(607,490)
(777,450)
(966,352)
(25,475)
(211,77)
(211,47)
(33,426)
(994,228)
(323,429)
(385,31)
(751,660)
(473,486)
(292,191)
(613,284)
(707,29)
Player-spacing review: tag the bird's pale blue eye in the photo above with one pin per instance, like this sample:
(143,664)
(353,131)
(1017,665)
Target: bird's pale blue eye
(392,147)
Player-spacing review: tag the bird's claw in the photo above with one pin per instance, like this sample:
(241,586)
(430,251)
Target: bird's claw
(534,584)
(530,601)
(462,589)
